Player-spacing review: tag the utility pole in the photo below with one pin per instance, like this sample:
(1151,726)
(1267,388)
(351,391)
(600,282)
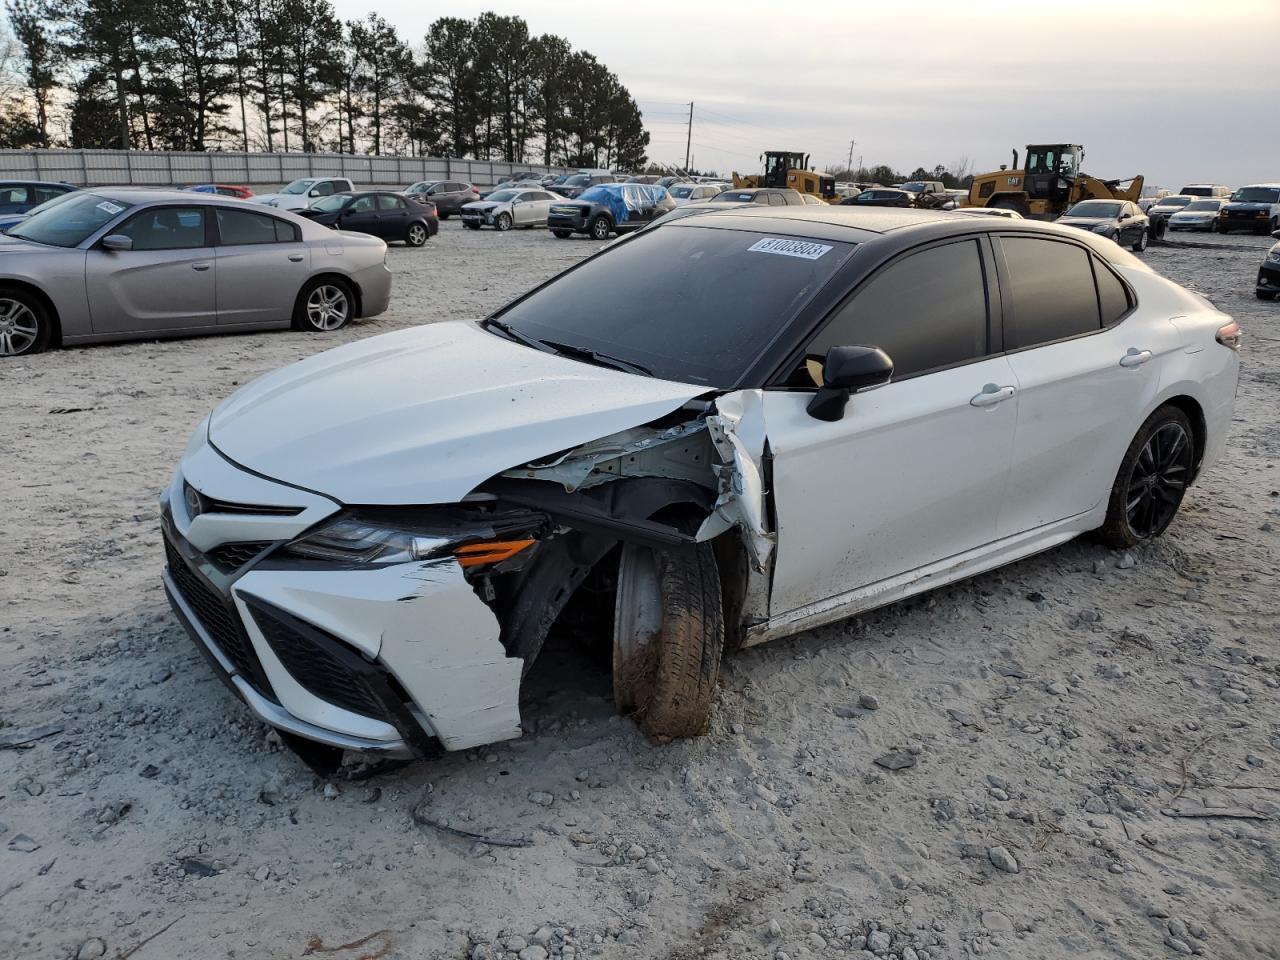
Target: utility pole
(849,165)
(688,143)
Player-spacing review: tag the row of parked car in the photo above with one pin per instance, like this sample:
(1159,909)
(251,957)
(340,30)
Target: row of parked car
(1218,209)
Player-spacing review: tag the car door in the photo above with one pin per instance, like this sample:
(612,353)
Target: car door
(915,470)
(393,217)
(360,216)
(165,282)
(1087,373)
(262,265)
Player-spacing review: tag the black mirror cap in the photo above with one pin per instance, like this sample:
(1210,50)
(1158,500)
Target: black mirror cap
(844,371)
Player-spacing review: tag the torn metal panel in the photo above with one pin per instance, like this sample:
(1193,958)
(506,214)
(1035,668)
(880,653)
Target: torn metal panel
(737,432)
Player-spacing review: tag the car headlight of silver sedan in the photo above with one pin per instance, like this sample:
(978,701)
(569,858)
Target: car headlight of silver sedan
(366,542)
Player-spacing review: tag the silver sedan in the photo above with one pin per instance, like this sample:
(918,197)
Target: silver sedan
(119,264)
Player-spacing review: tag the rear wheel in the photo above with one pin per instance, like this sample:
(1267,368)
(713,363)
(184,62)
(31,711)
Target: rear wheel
(1152,479)
(668,638)
(502,221)
(600,228)
(1264,294)
(416,235)
(444,216)
(24,324)
(1141,243)
(324,305)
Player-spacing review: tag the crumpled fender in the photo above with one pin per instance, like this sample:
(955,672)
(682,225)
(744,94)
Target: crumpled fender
(737,432)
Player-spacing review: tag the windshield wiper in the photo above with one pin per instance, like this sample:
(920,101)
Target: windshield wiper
(598,358)
(515,334)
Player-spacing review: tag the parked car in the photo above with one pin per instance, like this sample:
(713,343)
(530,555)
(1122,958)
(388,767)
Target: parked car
(879,197)
(300,194)
(21,196)
(813,200)
(510,185)
(1255,207)
(1205,190)
(577,184)
(649,178)
(223,190)
(668,182)
(609,208)
(1269,273)
(504,209)
(1198,215)
(448,196)
(10,220)
(721,424)
(1118,220)
(128,263)
(1005,212)
(1160,212)
(771,196)
(391,216)
(682,193)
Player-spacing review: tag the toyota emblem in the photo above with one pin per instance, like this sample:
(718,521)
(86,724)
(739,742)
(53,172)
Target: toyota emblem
(195,505)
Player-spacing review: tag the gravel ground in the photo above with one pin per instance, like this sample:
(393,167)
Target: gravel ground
(1076,756)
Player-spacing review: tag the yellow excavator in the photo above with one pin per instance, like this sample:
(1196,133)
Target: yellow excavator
(787,168)
(1048,184)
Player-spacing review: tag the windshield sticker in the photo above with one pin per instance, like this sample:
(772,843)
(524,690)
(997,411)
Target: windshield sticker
(790,248)
(106,206)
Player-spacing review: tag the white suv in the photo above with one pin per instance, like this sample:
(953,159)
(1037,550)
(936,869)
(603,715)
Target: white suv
(301,193)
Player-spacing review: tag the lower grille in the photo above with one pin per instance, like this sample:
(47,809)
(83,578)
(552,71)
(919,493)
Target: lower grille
(323,665)
(230,557)
(218,619)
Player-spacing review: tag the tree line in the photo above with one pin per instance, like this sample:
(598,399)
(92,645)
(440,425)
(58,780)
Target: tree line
(290,75)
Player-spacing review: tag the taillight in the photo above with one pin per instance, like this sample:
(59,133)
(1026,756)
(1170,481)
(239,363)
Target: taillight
(1230,335)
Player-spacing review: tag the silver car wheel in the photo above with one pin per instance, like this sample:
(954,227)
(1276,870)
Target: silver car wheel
(18,328)
(417,235)
(327,307)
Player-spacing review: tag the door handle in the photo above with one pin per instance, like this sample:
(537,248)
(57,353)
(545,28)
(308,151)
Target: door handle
(1135,357)
(991,395)
(201,265)
(295,257)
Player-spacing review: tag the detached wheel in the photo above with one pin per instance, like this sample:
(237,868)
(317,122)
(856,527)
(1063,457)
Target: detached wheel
(472,226)
(24,324)
(324,305)
(444,216)
(416,235)
(1264,294)
(502,221)
(1141,243)
(600,228)
(668,637)
(562,234)
(1152,480)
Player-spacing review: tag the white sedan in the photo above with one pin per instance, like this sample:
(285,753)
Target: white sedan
(683,193)
(504,209)
(1199,215)
(773,418)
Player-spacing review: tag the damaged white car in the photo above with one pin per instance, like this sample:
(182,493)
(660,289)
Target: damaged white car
(746,423)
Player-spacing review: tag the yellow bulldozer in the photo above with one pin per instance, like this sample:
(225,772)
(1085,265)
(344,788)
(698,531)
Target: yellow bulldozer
(1048,184)
(786,168)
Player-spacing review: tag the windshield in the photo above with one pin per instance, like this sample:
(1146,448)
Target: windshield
(422,187)
(1095,208)
(1257,195)
(298,186)
(502,196)
(1196,191)
(69,224)
(915,186)
(681,191)
(577,181)
(688,303)
(729,196)
(330,204)
(60,198)
(1174,202)
(1203,205)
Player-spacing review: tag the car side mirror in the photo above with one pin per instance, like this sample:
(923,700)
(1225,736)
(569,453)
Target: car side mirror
(314,193)
(1276,234)
(117,242)
(847,370)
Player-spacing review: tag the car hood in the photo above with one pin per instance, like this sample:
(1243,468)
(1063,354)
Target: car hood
(426,414)
(285,201)
(1239,205)
(18,245)
(482,206)
(1086,222)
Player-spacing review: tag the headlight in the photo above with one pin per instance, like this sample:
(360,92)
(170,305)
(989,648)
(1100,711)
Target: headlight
(1273,256)
(355,540)
(1103,228)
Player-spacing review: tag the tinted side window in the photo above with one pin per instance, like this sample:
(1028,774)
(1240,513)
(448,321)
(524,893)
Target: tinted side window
(1112,295)
(1051,291)
(166,228)
(237,227)
(287,232)
(323,188)
(361,205)
(926,310)
(387,202)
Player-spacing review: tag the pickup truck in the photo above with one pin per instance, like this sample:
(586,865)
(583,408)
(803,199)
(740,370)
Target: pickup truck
(300,194)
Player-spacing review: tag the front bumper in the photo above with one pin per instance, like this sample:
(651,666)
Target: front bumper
(380,660)
(1269,277)
(1244,220)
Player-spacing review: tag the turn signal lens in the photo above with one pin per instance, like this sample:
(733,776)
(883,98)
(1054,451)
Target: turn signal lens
(494,551)
(1230,335)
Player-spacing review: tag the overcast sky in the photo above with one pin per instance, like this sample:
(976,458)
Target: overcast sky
(1178,90)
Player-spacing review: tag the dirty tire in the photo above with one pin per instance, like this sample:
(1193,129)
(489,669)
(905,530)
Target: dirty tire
(1169,435)
(25,326)
(672,686)
(1141,243)
(600,228)
(502,222)
(1264,294)
(562,234)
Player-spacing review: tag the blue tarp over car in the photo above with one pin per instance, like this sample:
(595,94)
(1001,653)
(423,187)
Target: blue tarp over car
(622,198)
